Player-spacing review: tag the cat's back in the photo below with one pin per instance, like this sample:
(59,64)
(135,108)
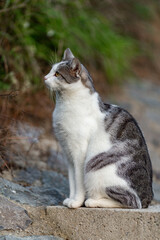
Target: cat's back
(121,125)
(125,131)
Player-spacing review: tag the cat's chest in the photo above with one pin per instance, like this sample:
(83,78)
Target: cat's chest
(71,119)
(76,119)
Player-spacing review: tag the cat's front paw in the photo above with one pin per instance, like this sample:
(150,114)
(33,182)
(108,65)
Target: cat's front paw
(72,203)
(66,201)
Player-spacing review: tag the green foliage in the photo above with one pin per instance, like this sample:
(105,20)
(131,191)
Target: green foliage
(144,11)
(35,32)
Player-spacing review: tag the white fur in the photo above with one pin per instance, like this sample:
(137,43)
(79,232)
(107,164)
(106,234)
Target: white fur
(97,181)
(102,202)
(80,118)
(79,125)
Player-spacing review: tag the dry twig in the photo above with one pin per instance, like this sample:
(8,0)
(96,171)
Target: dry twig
(22,5)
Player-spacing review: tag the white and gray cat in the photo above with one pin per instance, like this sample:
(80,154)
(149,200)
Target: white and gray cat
(108,161)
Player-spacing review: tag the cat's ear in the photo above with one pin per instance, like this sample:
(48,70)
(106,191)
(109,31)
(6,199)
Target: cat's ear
(68,55)
(75,66)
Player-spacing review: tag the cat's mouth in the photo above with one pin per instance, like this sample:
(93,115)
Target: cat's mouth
(47,83)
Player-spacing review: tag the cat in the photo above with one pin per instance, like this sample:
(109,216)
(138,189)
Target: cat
(108,160)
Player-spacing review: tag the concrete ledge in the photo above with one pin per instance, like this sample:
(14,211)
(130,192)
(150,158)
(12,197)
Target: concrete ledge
(92,224)
(106,224)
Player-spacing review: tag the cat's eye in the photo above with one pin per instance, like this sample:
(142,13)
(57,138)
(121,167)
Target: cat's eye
(57,74)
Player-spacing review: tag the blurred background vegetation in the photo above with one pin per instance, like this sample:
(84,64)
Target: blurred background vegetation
(110,36)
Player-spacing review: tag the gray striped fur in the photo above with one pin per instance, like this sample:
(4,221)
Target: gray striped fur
(128,142)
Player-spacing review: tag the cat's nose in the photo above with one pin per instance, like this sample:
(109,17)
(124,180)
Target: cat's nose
(45,77)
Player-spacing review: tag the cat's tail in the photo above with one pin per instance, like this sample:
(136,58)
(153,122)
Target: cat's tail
(125,197)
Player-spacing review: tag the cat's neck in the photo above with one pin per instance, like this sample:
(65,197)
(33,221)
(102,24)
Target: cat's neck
(79,97)
(76,91)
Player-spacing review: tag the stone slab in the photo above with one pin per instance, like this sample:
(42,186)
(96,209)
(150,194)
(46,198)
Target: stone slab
(12,216)
(11,237)
(102,224)
(92,223)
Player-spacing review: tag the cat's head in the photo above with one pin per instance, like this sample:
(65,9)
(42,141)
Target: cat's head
(68,73)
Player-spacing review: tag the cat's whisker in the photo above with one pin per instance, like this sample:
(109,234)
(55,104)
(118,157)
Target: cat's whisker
(52,95)
(51,60)
(54,58)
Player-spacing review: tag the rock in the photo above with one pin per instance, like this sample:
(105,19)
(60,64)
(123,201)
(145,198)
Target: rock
(50,178)
(12,216)
(48,196)
(30,238)
(156,190)
(53,189)
(30,176)
(57,162)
